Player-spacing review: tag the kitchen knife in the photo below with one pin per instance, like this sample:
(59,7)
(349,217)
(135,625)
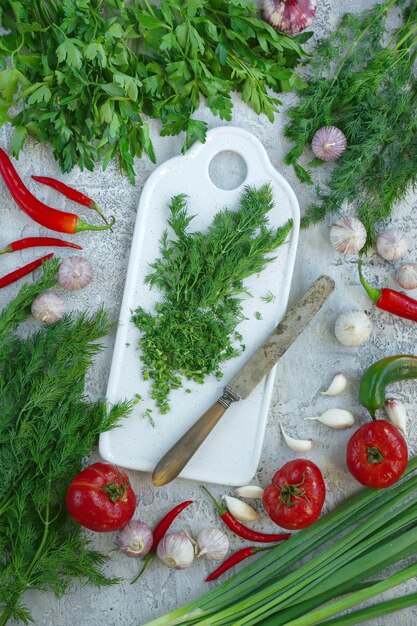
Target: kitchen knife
(245,381)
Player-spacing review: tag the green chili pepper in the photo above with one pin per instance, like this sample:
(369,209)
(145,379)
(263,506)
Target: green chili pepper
(382,373)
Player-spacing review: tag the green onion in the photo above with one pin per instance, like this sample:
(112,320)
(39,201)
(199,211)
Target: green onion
(371,531)
(371,612)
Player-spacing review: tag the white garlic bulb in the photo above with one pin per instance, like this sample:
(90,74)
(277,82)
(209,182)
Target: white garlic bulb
(48,308)
(240,510)
(213,544)
(250,491)
(328,143)
(176,550)
(337,385)
(406,276)
(397,414)
(75,273)
(297,445)
(353,328)
(348,235)
(392,244)
(335,418)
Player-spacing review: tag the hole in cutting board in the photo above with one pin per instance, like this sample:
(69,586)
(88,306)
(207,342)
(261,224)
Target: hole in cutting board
(228,170)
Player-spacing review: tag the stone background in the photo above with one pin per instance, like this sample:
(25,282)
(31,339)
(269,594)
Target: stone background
(308,367)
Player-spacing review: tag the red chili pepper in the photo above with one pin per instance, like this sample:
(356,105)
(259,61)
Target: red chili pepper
(23,271)
(234,559)
(69,192)
(390,300)
(243,531)
(33,242)
(160,530)
(41,213)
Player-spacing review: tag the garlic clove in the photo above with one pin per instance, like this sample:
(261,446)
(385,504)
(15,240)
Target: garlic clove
(328,143)
(348,235)
(353,328)
(337,385)
(392,244)
(406,276)
(48,308)
(75,273)
(297,445)
(335,418)
(176,550)
(213,544)
(250,491)
(397,414)
(240,510)
(288,16)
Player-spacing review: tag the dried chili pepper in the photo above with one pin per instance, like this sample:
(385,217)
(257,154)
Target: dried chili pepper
(243,531)
(160,530)
(382,373)
(33,242)
(390,300)
(41,213)
(23,271)
(71,193)
(234,559)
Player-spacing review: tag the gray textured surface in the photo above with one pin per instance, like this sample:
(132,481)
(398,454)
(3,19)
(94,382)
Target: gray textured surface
(308,367)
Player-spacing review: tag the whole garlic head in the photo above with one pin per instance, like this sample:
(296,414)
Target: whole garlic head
(176,550)
(406,276)
(348,235)
(353,328)
(213,544)
(392,244)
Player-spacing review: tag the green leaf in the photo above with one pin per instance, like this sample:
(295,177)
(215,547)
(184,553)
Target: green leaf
(114,126)
(221,52)
(9,83)
(42,94)
(96,50)
(181,33)
(113,89)
(69,52)
(18,139)
(116,30)
(4,117)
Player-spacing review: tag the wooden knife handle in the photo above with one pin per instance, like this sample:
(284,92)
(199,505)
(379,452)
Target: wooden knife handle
(181,452)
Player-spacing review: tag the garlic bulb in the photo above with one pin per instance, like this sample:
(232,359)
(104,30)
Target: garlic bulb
(176,550)
(406,276)
(75,273)
(337,385)
(353,328)
(213,544)
(250,491)
(392,244)
(335,418)
(348,235)
(135,539)
(298,445)
(328,143)
(48,308)
(397,414)
(240,510)
(289,16)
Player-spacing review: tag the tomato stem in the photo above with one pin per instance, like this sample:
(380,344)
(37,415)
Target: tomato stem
(374,455)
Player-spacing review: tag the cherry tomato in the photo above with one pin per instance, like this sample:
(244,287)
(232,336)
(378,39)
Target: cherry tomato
(296,496)
(377,454)
(101,498)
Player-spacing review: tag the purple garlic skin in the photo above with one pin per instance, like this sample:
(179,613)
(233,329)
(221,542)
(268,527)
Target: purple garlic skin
(289,16)
(329,143)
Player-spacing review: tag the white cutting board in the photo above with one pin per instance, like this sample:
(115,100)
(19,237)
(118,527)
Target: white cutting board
(231,453)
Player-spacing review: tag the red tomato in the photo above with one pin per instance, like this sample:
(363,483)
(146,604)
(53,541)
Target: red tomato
(377,454)
(296,496)
(100,498)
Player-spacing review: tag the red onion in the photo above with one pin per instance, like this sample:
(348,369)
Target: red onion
(289,16)
(135,539)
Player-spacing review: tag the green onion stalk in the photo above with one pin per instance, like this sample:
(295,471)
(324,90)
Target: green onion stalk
(370,532)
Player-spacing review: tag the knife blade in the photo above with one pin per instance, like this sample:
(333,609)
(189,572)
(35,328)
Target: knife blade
(246,379)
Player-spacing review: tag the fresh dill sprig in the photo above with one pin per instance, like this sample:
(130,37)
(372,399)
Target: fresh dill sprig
(371,96)
(192,331)
(47,427)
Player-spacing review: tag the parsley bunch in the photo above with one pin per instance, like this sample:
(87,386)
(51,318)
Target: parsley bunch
(371,95)
(85,74)
(192,331)
(47,427)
